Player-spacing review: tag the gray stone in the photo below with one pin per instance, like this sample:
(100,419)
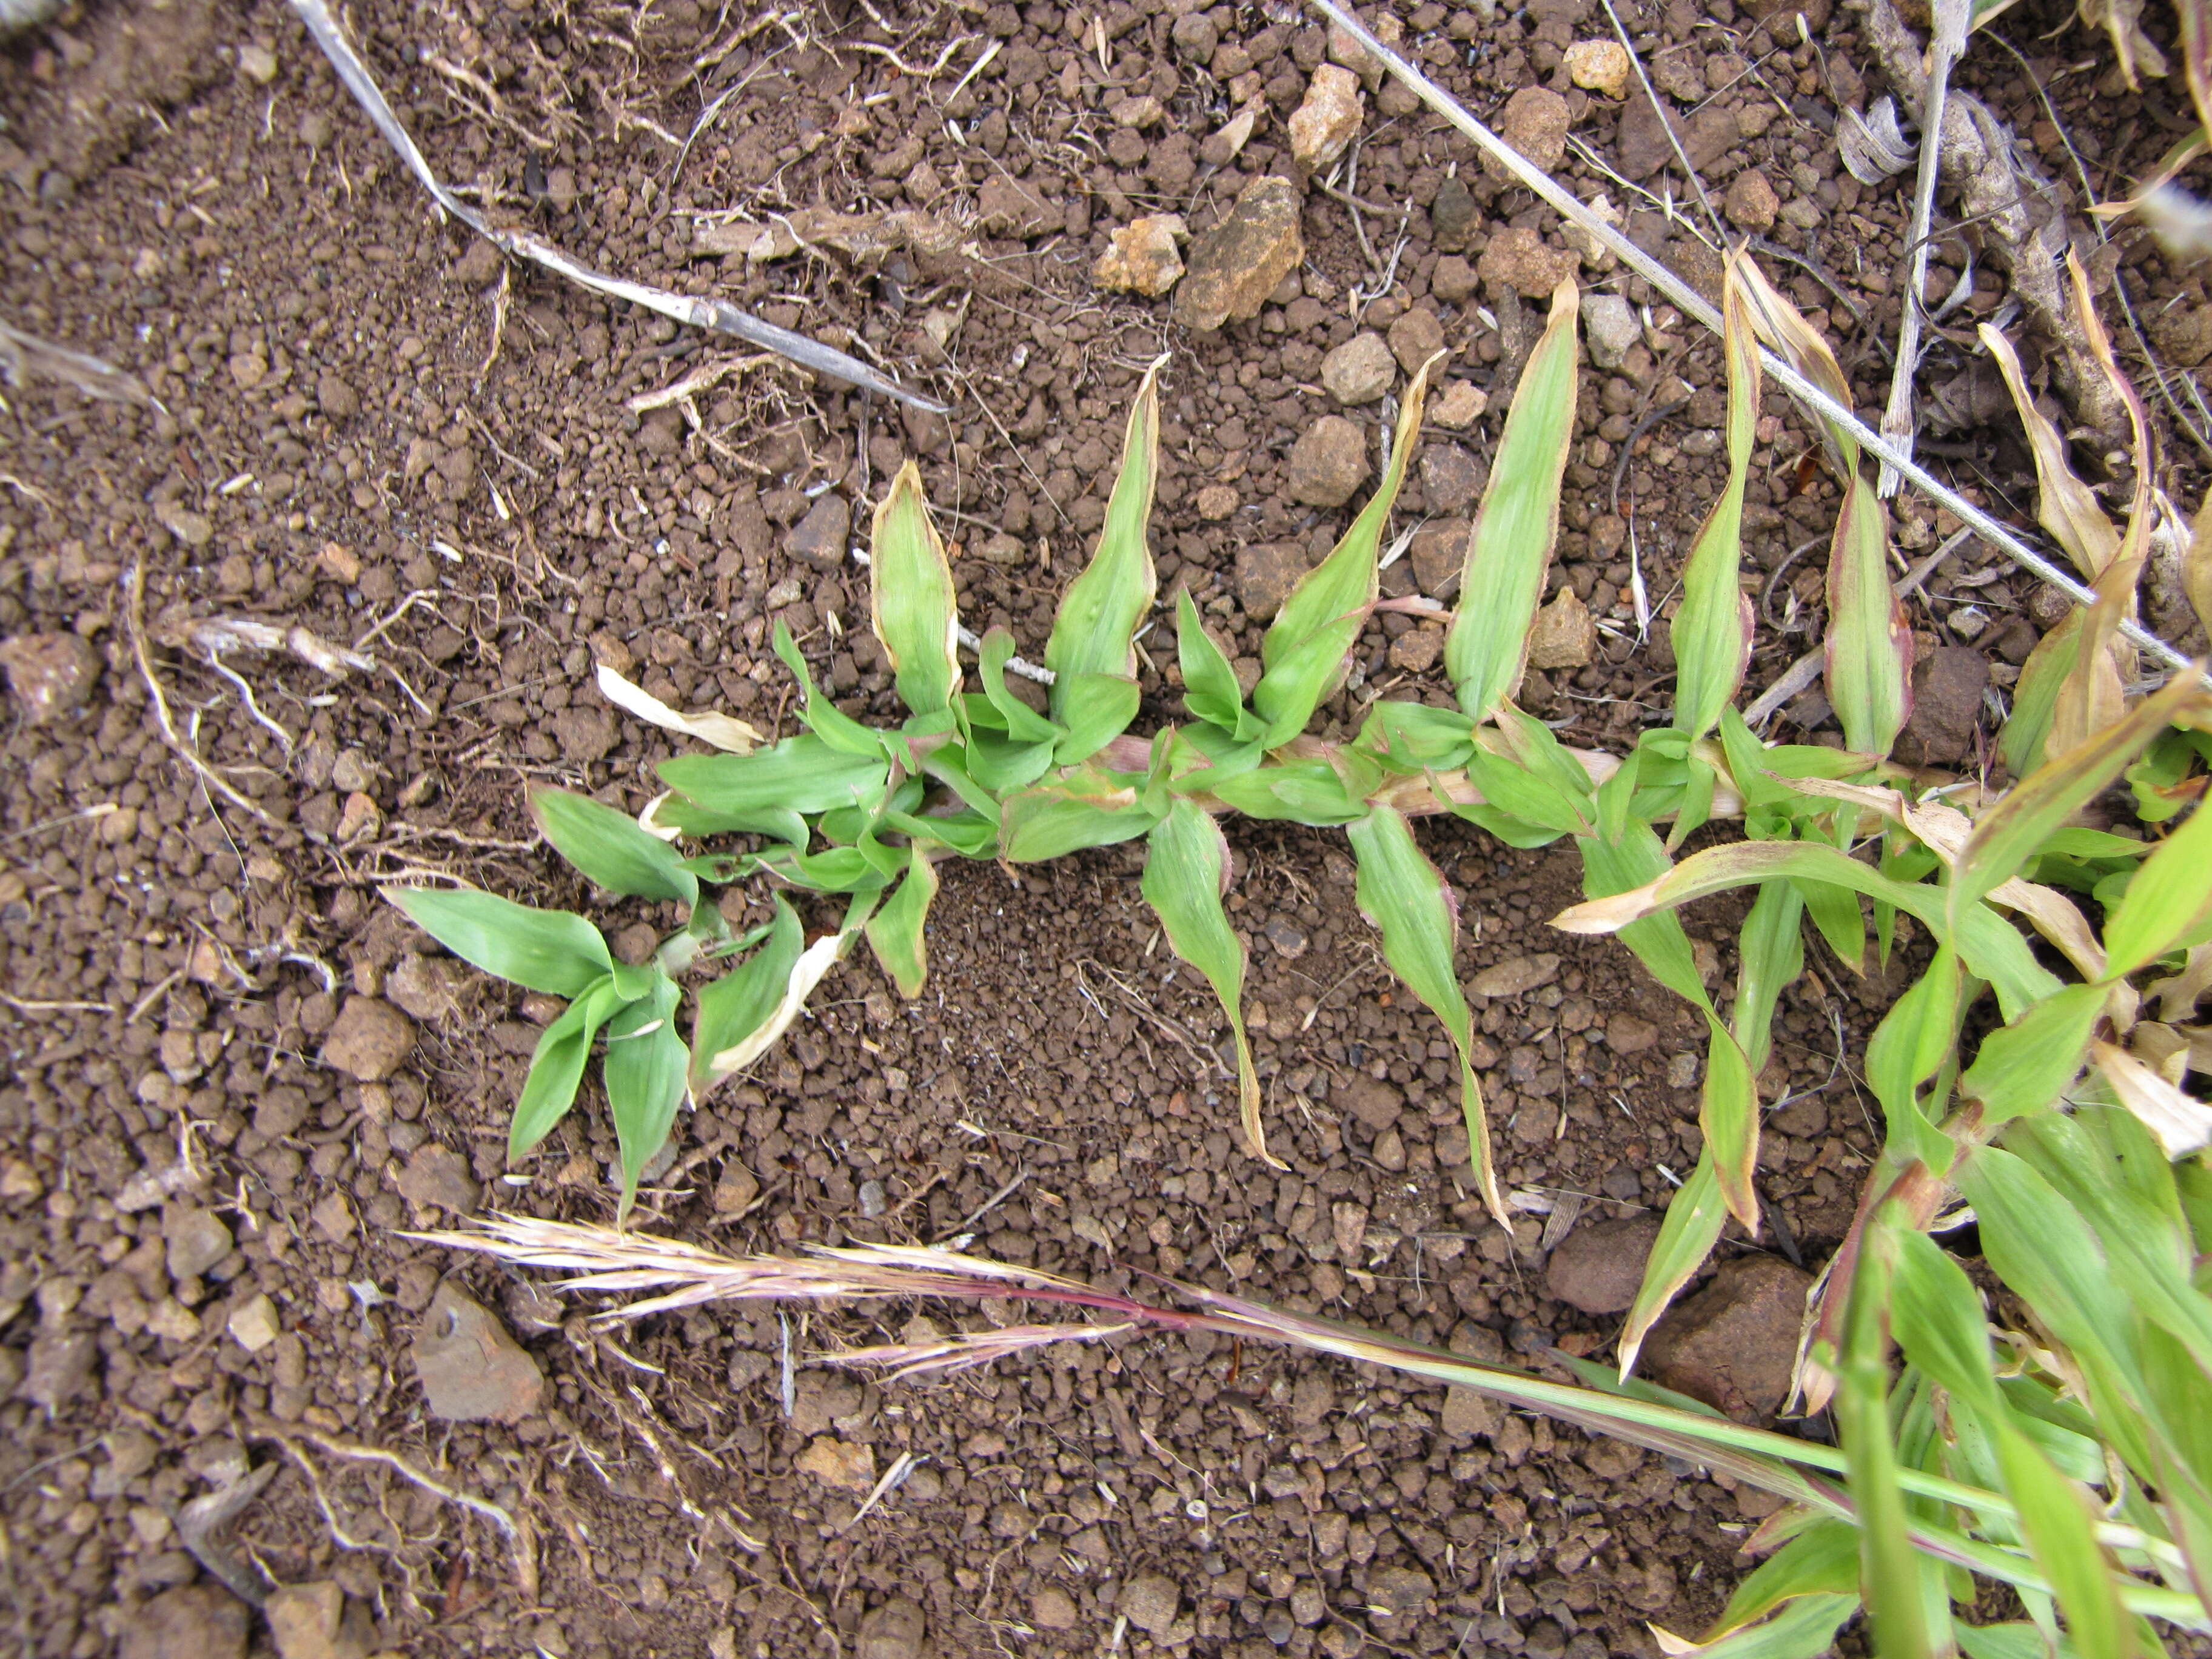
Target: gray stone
(1611,327)
(198,1621)
(1150,1602)
(1519,258)
(1947,705)
(893,1631)
(437,1176)
(1266,574)
(1451,477)
(1535,122)
(1439,553)
(1373,1101)
(1734,1344)
(1360,370)
(1630,1034)
(50,674)
(1466,1414)
(820,538)
(1642,147)
(1329,461)
(1517,976)
(1452,215)
(471,1371)
(428,988)
(1415,337)
(1563,635)
(308,1622)
(1399,1589)
(58,1368)
(1329,117)
(195,1241)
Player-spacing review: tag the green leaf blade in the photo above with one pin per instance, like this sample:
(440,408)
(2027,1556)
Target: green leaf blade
(799,774)
(1186,868)
(1088,807)
(1305,653)
(644,1070)
(1518,523)
(1687,1233)
(734,1007)
(1712,632)
(2027,1065)
(1210,689)
(556,1066)
(1408,902)
(895,932)
(1889,1574)
(1095,630)
(610,849)
(2166,903)
(556,952)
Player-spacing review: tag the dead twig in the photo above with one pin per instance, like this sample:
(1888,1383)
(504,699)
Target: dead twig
(516,1532)
(26,356)
(134,615)
(198,1521)
(1899,422)
(711,314)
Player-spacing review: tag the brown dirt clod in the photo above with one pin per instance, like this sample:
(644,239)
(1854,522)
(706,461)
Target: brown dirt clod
(1734,1343)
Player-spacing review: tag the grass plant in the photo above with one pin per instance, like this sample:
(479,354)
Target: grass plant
(2052,1438)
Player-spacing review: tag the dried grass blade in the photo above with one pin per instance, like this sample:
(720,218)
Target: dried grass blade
(2100,661)
(2064,505)
(24,356)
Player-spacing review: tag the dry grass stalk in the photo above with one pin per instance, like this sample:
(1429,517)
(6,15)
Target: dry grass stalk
(1693,304)
(712,314)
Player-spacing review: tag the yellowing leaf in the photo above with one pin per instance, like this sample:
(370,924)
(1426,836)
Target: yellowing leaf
(2064,506)
(2010,833)
(2182,1123)
(1870,644)
(911,598)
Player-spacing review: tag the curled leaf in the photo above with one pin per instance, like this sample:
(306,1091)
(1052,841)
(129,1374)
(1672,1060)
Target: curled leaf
(722,731)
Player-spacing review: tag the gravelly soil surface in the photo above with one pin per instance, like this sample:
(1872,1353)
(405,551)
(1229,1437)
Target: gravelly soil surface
(231,1081)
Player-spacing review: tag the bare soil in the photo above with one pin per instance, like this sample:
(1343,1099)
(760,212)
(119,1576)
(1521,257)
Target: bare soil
(370,431)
